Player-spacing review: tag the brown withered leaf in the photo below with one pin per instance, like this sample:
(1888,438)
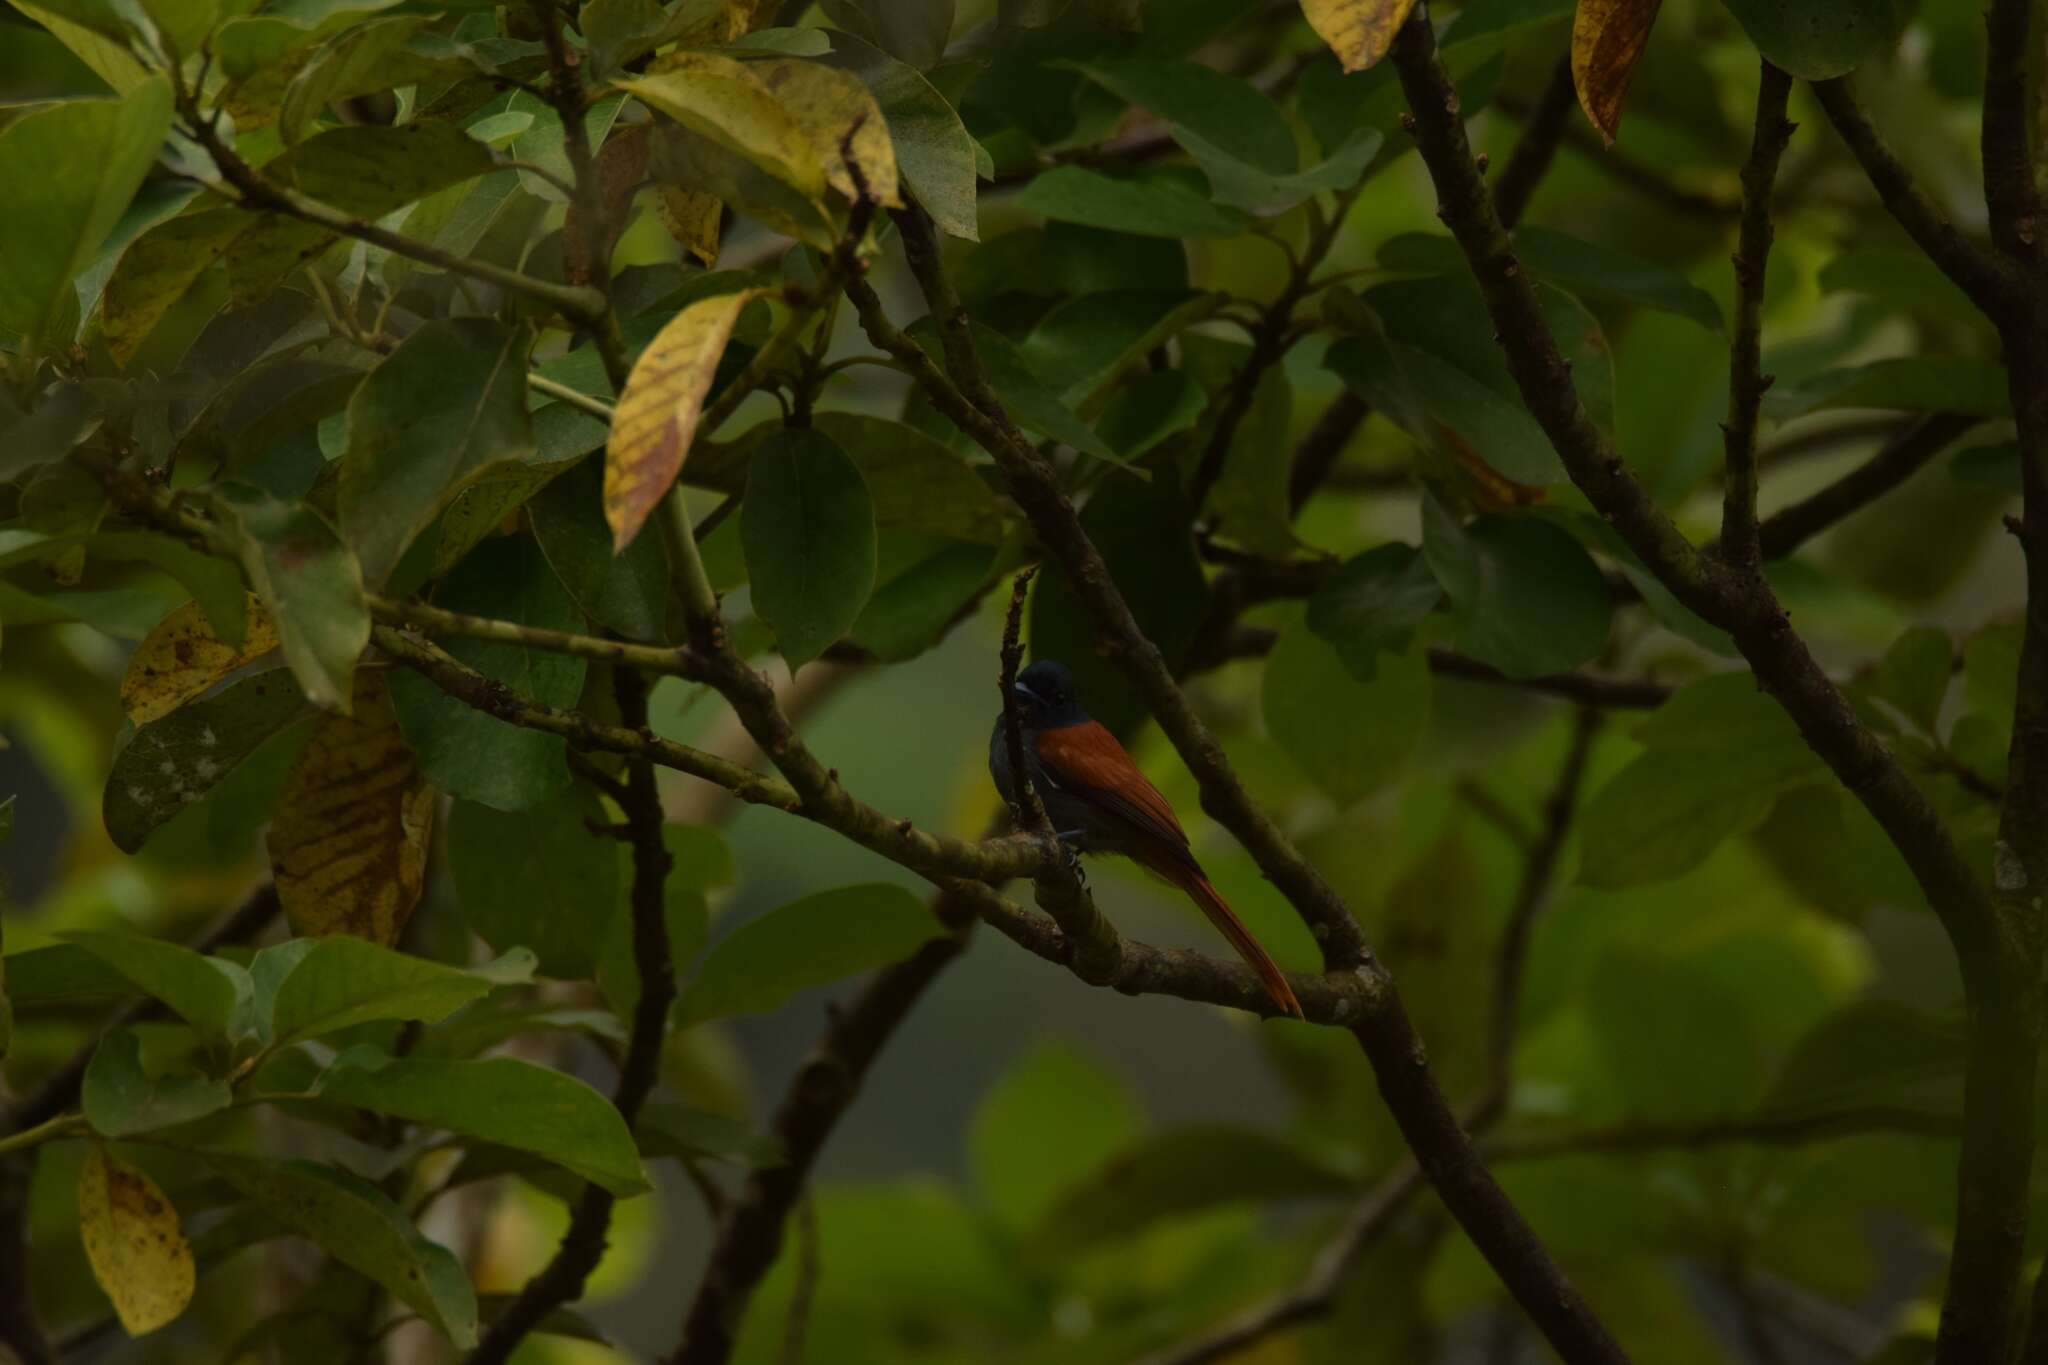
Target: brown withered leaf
(182,657)
(692,218)
(132,1239)
(1358,31)
(1608,37)
(621,166)
(348,846)
(657,414)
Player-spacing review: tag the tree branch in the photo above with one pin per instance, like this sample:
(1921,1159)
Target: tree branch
(1746,380)
(1986,278)
(1905,455)
(1317,454)
(2010,194)
(583,1245)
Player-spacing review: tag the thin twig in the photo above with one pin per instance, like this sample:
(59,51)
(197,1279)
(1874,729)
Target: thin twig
(797,1325)
(1785,530)
(1746,380)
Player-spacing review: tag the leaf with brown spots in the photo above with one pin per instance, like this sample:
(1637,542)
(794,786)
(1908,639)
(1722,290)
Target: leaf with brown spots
(657,414)
(138,1253)
(182,657)
(1607,38)
(349,844)
(721,99)
(692,218)
(1358,31)
(834,109)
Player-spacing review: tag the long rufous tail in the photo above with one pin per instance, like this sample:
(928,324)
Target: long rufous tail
(1231,927)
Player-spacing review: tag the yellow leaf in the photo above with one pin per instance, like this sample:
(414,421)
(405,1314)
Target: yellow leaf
(828,104)
(138,1254)
(348,846)
(657,414)
(1358,31)
(182,657)
(1607,39)
(691,218)
(720,99)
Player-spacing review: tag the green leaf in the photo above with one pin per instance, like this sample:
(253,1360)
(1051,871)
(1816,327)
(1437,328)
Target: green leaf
(1233,183)
(912,31)
(1249,504)
(536,878)
(157,270)
(120,1098)
(684,913)
(170,763)
(352,1221)
(1817,40)
(806,943)
(1225,111)
(435,415)
(627,592)
(912,609)
(934,154)
(1872,1052)
(363,170)
(1151,407)
(1676,1039)
(1584,265)
(1904,280)
(1913,676)
(465,752)
(1372,605)
(808,526)
(1525,597)
(917,484)
(1718,754)
(1056,1116)
(213,583)
(1083,343)
(1187,1171)
(677,1129)
(96,36)
(322,986)
(245,46)
(499,1099)
(1158,203)
(1994,468)
(203,991)
(360,60)
(1922,383)
(62,974)
(541,143)
(1352,737)
(86,159)
(1142,530)
(309,581)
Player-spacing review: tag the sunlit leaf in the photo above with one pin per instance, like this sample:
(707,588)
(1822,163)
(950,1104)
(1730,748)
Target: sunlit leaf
(839,115)
(1358,31)
(657,414)
(48,237)
(719,98)
(138,1252)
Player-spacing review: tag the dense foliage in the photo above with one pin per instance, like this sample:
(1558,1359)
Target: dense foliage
(510,510)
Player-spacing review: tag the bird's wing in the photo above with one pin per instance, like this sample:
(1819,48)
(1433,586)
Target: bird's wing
(1086,761)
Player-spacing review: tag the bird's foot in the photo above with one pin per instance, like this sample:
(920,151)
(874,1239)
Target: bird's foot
(1070,842)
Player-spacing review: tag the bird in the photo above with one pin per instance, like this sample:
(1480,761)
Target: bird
(1098,802)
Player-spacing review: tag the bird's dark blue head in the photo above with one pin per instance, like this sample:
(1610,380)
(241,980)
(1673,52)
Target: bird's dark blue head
(1045,697)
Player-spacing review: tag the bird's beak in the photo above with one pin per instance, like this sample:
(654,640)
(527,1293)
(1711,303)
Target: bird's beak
(1023,693)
